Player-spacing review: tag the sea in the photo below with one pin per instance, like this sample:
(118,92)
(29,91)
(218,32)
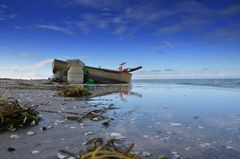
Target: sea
(179,118)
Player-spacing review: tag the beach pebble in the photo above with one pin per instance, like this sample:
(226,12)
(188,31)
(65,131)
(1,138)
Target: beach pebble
(30,133)
(44,128)
(73,127)
(145,136)
(145,154)
(200,127)
(95,119)
(105,123)
(175,155)
(59,122)
(14,136)
(61,155)
(88,133)
(117,136)
(11,149)
(33,123)
(13,129)
(35,152)
(205,145)
(176,124)
(229,147)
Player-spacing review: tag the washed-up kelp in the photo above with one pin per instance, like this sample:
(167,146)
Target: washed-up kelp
(14,115)
(97,149)
(74,92)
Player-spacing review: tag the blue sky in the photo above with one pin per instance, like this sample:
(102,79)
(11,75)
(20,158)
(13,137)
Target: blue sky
(169,38)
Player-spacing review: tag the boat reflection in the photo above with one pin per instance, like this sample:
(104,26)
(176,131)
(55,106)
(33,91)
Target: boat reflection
(121,90)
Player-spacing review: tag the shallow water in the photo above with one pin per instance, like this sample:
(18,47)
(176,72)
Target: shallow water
(178,120)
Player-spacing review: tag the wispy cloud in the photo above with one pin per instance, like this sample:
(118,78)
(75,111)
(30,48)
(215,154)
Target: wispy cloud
(55,28)
(5,14)
(26,54)
(232,10)
(42,63)
(166,44)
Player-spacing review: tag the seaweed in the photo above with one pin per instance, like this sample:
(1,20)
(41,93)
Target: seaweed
(74,92)
(15,115)
(96,148)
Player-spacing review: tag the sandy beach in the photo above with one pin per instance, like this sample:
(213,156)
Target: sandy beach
(60,132)
(176,120)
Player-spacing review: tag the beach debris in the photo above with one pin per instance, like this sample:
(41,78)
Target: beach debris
(75,118)
(14,136)
(105,124)
(35,152)
(30,133)
(116,136)
(145,136)
(14,115)
(163,157)
(74,92)
(187,148)
(176,124)
(88,133)
(95,115)
(44,128)
(96,148)
(175,155)
(11,149)
(145,154)
(196,117)
(203,145)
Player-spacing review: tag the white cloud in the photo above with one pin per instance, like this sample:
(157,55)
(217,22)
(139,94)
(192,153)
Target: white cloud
(39,70)
(26,54)
(42,63)
(55,28)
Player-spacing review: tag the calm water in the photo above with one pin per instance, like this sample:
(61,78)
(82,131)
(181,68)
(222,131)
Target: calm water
(180,118)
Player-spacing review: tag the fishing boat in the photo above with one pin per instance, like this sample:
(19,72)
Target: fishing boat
(106,76)
(99,75)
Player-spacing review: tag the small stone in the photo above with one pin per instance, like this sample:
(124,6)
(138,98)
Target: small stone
(33,123)
(196,117)
(13,129)
(205,145)
(174,153)
(95,119)
(73,127)
(88,133)
(200,127)
(49,127)
(176,124)
(35,151)
(11,149)
(30,133)
(145,154)
(105,124)
(44,128)
(145,136)
(14,136)
(117,136)
(229,147)
(61,156)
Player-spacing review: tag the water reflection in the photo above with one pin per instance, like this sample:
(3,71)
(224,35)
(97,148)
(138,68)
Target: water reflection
(176,120)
